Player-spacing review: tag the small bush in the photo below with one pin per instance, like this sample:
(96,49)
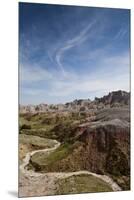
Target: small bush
(25,126)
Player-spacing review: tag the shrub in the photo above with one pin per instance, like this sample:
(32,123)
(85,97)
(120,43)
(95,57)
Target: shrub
(25,126)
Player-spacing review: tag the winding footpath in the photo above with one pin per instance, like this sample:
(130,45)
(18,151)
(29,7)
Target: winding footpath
(33,183)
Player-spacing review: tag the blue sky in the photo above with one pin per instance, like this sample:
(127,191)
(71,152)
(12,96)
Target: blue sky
(71,52)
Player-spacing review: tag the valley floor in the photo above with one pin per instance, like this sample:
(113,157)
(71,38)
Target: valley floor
(33,183)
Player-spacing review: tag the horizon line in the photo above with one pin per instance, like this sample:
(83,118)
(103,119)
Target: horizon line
(73,99)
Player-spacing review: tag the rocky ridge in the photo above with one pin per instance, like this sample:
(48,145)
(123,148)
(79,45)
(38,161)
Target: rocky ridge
(113,99)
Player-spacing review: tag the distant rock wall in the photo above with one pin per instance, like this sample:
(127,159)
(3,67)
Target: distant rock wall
(113,99)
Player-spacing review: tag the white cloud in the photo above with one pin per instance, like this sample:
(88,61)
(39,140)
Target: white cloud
(88,85)
(34,74)
(103,80)
(82,36)
(118,60)
(66,89)
(112,73)
(120,34)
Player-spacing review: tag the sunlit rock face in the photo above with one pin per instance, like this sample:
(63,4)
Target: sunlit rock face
(113,99)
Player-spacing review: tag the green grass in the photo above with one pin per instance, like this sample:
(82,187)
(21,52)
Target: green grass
(41,159)
(36,141)
(50,125)
(81,184)
(44,121)
(22,121)
(39,126)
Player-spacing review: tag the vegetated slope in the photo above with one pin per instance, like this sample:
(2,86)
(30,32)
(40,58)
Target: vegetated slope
(81,184)
(28,143)
(101,146)
(96,138)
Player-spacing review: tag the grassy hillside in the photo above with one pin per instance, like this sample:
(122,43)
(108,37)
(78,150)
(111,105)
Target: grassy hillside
(81,184)
(29,143)
(101,146)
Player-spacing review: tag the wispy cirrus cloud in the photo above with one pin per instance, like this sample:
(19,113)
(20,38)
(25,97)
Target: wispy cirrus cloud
(99,82)
(72,54)
(121,33)
(30,74)
(81,37)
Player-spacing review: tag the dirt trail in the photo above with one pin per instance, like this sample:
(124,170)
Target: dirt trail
(36,184)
